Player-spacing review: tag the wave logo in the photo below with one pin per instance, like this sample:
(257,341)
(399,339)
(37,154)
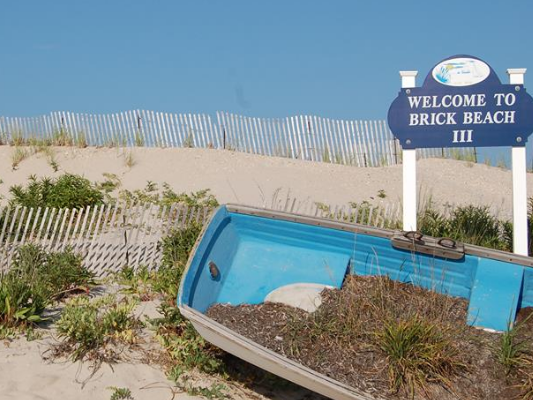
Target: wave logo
(461,72)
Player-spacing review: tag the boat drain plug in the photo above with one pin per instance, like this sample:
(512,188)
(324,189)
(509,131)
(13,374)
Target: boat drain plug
(213,270)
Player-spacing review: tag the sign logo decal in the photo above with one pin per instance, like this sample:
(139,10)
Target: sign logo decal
(461,72)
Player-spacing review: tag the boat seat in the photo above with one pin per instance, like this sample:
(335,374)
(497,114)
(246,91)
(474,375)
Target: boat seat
(305,296)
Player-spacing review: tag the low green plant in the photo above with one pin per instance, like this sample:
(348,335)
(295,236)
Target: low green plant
(215,391)
(51,158)
(90,328)
(120,393)
(175,249)
(137,282)
(62,137)
(167,197)
(418,352)
(511,350)
(514,351)
(37,278)
(185,347)
(81,140)
(325,155)
(502,164)
(17,138)
(129,159)
(463,155)
(17,156)
(139,138)
(189,140)
(111,183)
(66,191)
(7,332)
(382,194)
(469,224)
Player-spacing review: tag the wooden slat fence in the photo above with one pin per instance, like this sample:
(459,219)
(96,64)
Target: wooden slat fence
(112,236)
(108,236)
(350,142)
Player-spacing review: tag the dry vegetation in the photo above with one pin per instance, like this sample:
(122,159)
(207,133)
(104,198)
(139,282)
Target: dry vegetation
(394,340)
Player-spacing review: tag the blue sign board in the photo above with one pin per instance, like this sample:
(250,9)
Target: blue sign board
(462,103)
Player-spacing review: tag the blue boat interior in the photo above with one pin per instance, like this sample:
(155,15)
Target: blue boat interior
(253,256)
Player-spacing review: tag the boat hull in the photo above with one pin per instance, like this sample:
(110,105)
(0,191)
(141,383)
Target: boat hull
(244,254)
(268,360)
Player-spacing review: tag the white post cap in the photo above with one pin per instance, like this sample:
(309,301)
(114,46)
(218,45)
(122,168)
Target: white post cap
(408,73)
(408,78)
(516,75)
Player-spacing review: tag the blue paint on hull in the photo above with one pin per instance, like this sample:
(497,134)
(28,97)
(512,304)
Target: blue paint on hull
(495,294)
(256,255)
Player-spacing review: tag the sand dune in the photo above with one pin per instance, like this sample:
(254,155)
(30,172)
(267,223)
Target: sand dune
(256,180)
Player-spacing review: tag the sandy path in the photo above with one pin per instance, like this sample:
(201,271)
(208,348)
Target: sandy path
(257,180)
(26,374)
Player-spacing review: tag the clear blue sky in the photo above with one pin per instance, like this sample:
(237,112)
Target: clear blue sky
(273,58)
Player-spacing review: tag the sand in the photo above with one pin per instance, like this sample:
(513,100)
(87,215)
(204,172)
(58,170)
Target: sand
(259,180)
(29,372)
(232,177)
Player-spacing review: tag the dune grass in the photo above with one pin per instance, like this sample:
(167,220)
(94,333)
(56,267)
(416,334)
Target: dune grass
(35,280)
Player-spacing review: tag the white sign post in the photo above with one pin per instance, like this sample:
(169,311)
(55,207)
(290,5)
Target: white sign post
(409,168)
(520,239)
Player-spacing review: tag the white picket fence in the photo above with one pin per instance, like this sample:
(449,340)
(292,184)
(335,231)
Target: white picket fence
(350,142)
(110,237)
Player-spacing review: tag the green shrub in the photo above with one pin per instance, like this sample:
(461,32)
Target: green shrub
(184,345)
(137,282)
(22,298)
(35,279)
(432,223)
(475,225)
(89,326)
(67,191)
(120,393)
(469,224)
(418,352)
(176,248)
(186,348)
(62,137)
(152,194)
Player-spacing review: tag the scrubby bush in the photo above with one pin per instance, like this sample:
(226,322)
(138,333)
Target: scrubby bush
(469,224)
(185,347)
(67,191)
(176,248)
(89,327)
(152,194)
(34,280)
(418,352)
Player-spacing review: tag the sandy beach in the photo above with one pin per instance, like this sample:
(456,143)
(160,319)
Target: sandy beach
(232,177)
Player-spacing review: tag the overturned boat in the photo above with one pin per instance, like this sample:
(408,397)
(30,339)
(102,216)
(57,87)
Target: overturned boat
(247,255)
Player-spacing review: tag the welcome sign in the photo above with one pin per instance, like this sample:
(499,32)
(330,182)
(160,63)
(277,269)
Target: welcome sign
(462,103)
